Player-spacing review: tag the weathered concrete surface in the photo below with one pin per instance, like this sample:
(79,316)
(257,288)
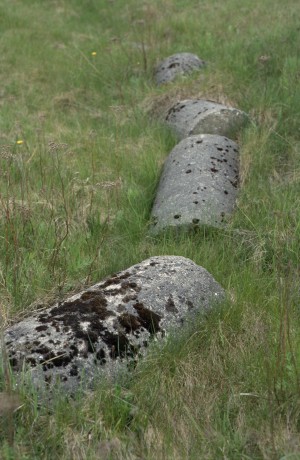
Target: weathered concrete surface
(93,332)
(198,185)
(198,116)
(177,64)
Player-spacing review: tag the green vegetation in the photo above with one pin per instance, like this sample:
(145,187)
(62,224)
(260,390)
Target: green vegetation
(81,149)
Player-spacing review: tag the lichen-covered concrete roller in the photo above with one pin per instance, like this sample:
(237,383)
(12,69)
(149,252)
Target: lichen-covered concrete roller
(198,185)
(102,329)
(175,65)
(198,116)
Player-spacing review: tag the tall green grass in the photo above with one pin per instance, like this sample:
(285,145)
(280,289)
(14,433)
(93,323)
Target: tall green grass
(81,150)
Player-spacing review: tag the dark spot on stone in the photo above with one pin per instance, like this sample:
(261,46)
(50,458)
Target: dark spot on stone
(220,149)
(195,202)
(118,344)
(74,370)
(174,64)
(54,324)
(47,366)
(62,359)
(41,328)
(71,313)
(149,319)
(129,322)
(126,285)
(153,264)
(170,305)
(88,295)
(41,350)
(13,362)
(123,289)
(98,301)
(48,359)
(177,216)
(100,356)
(43,318)
(190,304)
(128,298)
(114,279)
(199,142)
(48,378)
(196,221)
(225,191)
(214,170)
(113,292)
(188,171)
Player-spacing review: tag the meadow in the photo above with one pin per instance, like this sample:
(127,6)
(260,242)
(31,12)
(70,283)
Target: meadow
(81,150)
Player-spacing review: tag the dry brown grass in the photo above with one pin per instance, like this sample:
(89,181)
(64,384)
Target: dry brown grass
(205,86)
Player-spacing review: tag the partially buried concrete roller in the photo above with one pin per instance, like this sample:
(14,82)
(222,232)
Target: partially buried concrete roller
(108,326)
(198,185)
(175,65)
(199,116)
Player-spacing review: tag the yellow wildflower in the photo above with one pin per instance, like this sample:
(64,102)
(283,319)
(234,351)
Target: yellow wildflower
(20,142)
(94,53)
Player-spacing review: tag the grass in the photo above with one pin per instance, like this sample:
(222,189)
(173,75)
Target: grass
(75,199)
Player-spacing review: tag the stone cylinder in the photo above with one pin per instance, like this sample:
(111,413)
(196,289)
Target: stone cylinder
(190,117)
(198,185)
(177,64)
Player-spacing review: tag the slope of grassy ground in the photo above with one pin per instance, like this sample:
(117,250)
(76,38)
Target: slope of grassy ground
(81,149)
